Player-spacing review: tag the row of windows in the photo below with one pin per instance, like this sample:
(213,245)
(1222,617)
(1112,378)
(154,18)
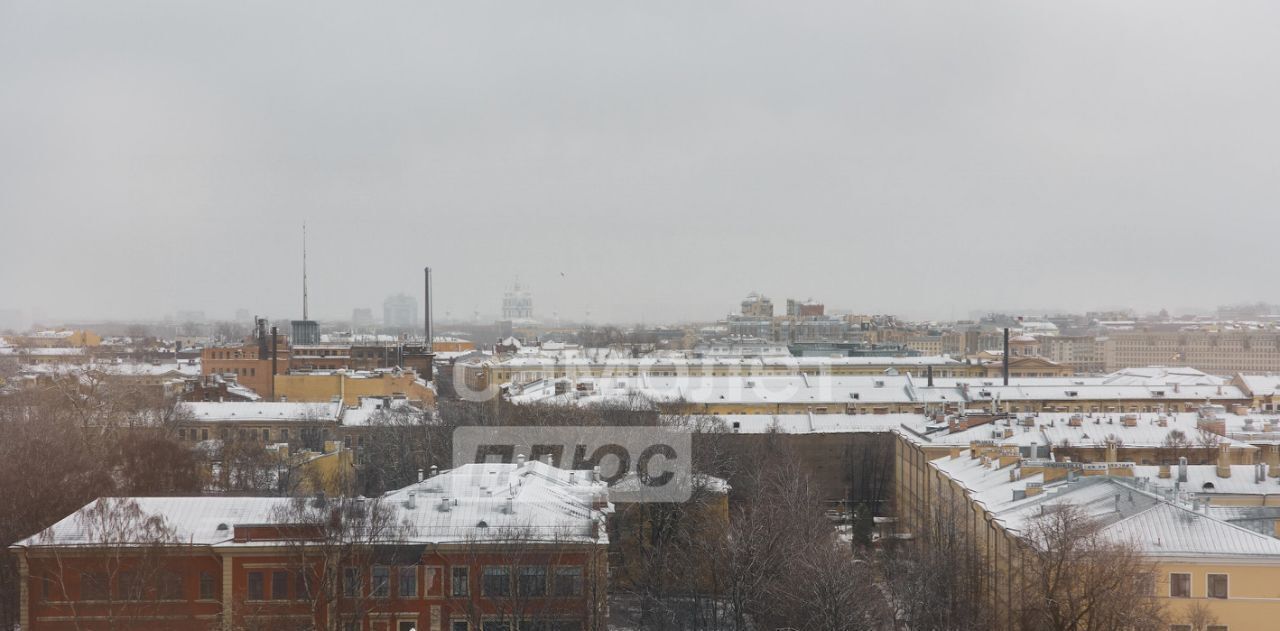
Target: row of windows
(463,625)
(496,581)
(281,583)
(253,434)
(1180,585)
(132,585)
(227,355)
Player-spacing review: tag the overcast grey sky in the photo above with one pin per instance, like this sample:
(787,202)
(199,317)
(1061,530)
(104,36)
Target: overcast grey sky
(655,159)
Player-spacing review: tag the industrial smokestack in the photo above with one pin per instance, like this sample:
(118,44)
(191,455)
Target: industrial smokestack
(427,292)
(260,325)
(275,353)
(1005,358)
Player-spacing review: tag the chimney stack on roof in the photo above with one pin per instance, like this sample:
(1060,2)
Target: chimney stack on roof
(1224,460)
(1005,357)
(1182,469)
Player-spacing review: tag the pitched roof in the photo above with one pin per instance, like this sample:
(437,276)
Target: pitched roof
(546,503)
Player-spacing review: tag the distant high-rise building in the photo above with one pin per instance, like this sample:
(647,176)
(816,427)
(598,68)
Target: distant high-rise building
(361,319)
(400,312)
(517,303)
(757,306)
(805,309)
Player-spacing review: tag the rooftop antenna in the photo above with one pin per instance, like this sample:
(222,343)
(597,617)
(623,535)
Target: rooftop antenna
(304,271)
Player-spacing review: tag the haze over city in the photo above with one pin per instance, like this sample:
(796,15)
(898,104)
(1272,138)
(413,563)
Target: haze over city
(656,163)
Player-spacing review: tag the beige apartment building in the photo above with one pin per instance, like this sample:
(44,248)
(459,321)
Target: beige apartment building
(1082,353)
(1220,353)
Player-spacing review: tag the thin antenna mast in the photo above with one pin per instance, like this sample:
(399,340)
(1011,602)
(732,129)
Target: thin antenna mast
(304,271)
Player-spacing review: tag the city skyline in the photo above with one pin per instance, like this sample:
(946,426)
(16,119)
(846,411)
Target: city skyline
(873,155)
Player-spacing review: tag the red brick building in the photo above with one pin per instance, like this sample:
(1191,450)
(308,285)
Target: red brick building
(485,547)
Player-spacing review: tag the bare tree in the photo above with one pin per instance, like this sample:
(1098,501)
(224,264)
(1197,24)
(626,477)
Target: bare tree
(399,442)
(533,578)
(782,565)
(333,544)
(1079,579)
(1198,616)
(1176,445)
(124,569)
(935,580)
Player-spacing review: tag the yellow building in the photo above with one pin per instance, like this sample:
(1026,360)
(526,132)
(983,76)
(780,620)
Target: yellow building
(886,394)
(1216,352)
(331,471)
(349,387)
(529,368)
(989,493)
(57,339)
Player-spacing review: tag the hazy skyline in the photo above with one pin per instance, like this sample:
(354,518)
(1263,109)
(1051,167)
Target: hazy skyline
(655,160)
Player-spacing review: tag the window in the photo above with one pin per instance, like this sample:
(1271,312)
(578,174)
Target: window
(208,588)
(381,582)
(351,582)
(170,587)
(406,625)
(1217,586)
(93,586)
(497,581)
(1216,627)
(204,434)
(407,582)
(1180,586)
(568,581)
(458,625)
(533,580)
(129,586)
(302,586)
(256,588)
(460,581)
(284,435)
(279,585)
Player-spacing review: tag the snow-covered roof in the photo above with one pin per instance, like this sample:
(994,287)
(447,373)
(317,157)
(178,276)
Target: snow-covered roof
(1094,430)
(1203,479)
(546,503)
(1261,385)
(842,389)
(1163,375)
(359,415)
(235,411)
(1160,527)
(694,364)
(821,423)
